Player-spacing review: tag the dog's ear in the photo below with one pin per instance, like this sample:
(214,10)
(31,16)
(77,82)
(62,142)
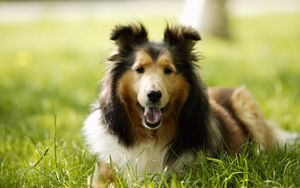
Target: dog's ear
(129,36)
(181,36)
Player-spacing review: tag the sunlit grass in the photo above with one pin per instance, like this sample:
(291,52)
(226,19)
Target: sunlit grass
(49,73)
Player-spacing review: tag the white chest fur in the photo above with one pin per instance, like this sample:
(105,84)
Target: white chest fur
(139,159)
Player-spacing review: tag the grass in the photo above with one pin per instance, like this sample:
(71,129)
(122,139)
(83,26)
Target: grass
(49,76)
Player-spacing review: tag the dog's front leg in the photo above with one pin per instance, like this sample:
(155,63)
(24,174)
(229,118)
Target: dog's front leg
(103,176)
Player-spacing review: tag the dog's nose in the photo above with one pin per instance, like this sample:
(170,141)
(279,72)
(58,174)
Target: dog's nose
(154,96)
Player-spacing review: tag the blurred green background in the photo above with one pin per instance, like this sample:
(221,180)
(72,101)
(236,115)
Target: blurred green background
(52,57)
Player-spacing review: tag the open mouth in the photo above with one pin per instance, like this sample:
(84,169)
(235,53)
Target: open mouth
(152,117)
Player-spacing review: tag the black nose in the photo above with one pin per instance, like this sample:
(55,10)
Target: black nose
(154,96)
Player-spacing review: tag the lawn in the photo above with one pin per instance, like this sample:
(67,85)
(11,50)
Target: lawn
(49,75)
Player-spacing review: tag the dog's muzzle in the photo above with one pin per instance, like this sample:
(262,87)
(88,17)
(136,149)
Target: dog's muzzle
(152,113)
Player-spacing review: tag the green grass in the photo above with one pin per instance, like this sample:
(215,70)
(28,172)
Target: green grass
(49,72)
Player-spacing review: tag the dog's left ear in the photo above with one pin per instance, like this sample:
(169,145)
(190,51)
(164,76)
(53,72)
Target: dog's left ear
(181,36)
(129,36)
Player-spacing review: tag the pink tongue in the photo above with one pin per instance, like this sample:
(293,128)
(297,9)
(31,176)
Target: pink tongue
(152,115)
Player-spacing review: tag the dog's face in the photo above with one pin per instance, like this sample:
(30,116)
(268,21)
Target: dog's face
(149,82)
(153,85)
(157,85)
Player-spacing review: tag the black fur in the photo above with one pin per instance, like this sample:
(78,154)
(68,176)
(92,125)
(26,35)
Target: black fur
(127,38)
(115,116)
(181,37)
(194,115)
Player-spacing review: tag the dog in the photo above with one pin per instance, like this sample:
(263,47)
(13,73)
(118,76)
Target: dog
(155,114)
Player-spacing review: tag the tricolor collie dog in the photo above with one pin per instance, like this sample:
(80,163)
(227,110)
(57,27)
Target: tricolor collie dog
(155,113)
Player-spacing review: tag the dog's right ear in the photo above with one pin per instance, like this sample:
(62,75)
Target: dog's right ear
(129,36)
(181,36)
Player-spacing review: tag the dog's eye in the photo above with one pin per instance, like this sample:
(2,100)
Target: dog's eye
(167,71)
(140,70)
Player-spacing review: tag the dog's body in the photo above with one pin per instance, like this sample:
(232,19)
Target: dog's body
(155,114)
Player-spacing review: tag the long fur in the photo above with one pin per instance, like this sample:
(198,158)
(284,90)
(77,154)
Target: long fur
(194,116)
(199,119)
(115,116)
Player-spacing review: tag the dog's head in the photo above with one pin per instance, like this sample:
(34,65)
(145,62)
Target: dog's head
(150,83)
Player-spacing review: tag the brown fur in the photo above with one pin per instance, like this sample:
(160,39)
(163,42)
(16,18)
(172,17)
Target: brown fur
(248,113)
(240,118)
(128,98)
(233,135)
(176,85)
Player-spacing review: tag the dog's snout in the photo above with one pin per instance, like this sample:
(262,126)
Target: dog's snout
(154,96)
